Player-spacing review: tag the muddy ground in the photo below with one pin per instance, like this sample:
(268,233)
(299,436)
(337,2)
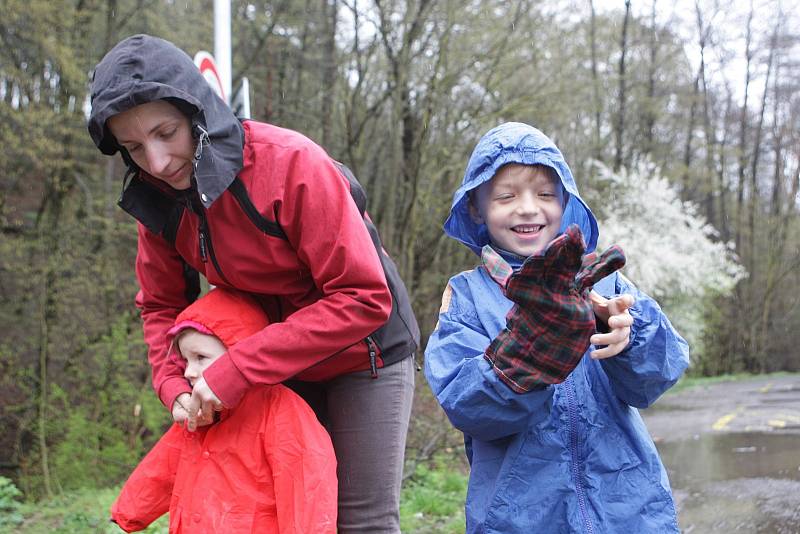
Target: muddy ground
(732,451)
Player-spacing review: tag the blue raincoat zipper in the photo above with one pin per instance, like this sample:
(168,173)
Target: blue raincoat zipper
(577,467)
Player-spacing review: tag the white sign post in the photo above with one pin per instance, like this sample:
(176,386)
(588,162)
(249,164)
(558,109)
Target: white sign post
(218,75)
(222,43)
(240,101)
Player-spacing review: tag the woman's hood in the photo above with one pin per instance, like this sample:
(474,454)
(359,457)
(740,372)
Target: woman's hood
(142,69)
(514,142)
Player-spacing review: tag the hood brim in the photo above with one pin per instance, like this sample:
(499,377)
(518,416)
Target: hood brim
(142,69)
(514,142)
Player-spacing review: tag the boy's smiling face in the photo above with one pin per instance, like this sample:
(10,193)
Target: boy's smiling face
(521,207)
(199,350)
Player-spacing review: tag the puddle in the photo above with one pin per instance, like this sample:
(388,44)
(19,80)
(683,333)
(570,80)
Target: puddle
(728,456)
(736,482)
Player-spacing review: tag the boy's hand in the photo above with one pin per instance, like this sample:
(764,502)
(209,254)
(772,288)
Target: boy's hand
(202,405)
(180,413)
(614,313)
(550,326)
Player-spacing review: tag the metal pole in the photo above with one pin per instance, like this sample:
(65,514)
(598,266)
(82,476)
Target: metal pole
(222,44)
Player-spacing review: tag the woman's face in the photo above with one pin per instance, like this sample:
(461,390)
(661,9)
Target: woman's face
(159,139)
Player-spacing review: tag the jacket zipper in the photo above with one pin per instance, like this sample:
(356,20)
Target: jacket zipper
(203,254)
(204,238)
(577,468)
(373,360)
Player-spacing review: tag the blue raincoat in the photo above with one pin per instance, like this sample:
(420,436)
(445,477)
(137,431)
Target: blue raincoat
(576,456)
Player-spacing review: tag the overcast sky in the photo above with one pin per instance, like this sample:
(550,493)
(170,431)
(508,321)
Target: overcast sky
(725,55)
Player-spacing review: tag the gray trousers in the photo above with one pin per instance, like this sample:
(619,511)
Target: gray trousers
(367,419)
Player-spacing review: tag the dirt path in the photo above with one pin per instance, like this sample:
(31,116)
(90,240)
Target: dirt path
(732,451)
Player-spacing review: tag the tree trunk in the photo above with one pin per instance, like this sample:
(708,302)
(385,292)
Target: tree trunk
(597,151)
(687,190)
(708,180)
(743,135)
(44,341)
(721,164)
(330,13)
(620,130)
(650,113)
(754,200)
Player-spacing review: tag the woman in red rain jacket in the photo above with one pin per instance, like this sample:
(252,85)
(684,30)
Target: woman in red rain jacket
(266,466)
(264,210)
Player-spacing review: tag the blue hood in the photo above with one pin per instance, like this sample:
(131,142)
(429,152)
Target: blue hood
(514,142)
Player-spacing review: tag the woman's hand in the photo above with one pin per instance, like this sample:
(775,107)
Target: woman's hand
(614,313)
(202,405)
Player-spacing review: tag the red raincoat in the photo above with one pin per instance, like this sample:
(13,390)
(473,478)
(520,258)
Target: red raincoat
(268,213)
(267,466)
(327,275)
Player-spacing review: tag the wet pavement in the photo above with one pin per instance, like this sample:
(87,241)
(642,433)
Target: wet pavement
(732,451)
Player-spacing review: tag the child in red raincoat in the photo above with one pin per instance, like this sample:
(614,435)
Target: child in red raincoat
(267,466)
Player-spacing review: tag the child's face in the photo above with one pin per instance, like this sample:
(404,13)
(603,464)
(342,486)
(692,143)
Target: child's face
(200,351)
(521,207)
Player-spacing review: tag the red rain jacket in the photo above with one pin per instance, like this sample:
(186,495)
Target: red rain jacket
(267,467)
(330,287)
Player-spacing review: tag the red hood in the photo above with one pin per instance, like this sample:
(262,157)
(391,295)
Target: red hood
(227,314)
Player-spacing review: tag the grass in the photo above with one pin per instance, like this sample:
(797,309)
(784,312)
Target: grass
(687,382)
(84,511)
(432,502)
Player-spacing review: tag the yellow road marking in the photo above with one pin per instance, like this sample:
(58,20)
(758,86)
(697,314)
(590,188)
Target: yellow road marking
(776,423)
(792,418)
(766,388)
(723,421)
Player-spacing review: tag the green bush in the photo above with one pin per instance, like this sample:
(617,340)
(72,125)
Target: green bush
(10,515)
(92,454)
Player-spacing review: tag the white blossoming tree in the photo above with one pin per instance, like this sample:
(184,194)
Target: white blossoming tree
(672,253)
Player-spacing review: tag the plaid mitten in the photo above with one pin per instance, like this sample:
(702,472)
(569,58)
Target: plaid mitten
(548,329)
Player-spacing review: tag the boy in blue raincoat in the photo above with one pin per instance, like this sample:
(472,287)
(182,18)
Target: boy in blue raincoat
(572,456)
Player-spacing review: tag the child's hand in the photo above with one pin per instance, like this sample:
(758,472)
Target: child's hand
(614,313)
(202,405)
(539,347)
(180,413)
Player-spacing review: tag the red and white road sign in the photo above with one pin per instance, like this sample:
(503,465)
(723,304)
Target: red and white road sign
(208,68)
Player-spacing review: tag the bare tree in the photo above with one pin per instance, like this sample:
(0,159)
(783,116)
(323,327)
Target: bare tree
(620,125)
(749,52)
(598,104)
(330,11)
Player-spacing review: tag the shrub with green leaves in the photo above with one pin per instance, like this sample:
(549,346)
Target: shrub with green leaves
(9,503)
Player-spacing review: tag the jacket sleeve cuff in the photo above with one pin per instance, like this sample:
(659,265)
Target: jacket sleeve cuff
(171,388)
(226,381)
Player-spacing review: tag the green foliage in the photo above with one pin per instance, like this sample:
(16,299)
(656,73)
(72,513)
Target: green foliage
(101,443)
(696,381)
(92,454)
(10,515)
(433,500)
(84,511)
